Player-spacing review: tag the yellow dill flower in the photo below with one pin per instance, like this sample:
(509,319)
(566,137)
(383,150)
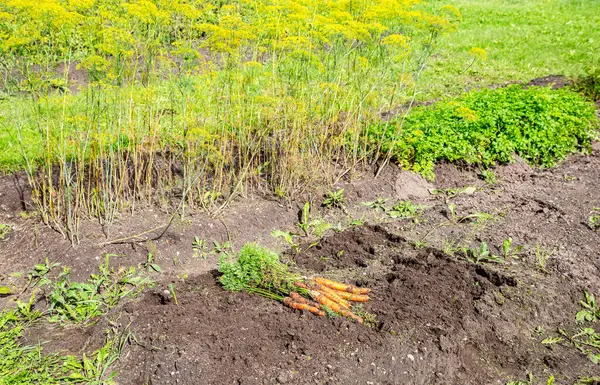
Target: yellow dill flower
(396,40)
(478,53)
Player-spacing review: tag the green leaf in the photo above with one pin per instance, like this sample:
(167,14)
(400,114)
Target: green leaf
(552,340)
(155,267)
(4,290)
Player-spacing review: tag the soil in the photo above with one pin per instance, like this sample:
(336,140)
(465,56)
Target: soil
(438,318)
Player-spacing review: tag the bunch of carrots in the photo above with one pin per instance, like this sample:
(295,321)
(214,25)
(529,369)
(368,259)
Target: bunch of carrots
(259,270)
(326,295)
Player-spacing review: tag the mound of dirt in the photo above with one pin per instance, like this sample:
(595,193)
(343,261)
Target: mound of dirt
(437,321)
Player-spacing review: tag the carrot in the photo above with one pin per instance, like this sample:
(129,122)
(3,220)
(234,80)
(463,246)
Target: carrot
(297,297)
(341,286)
(352,297)
(334,306)
(300,285)
(331,284)
(349,314)
(331,294)
(303,306)
(323,300)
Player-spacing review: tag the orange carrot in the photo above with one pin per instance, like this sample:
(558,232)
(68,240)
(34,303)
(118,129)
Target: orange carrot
(323,300)
(334,306)
(331,294)
(301,285)
(331,284)
(341,286)
(352,297)
(297,297)
(349,314)
(303,306)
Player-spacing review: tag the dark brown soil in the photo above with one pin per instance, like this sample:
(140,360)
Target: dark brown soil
(438,318)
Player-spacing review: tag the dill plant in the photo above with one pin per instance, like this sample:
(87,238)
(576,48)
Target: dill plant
(204,100)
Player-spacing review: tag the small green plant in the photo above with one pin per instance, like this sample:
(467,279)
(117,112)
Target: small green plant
(541,257)
(590,311)
(173,293)
(225,248)
(4,230)
(450,193)
(508,250)
(199,248)
(149,264)
(335,199)
(489,176)
(316,227)
(379,204)
(40,271)
(405,209)
(594,218)
(481,254)
(79,302)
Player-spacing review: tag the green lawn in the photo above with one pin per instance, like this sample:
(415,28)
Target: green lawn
(524,39)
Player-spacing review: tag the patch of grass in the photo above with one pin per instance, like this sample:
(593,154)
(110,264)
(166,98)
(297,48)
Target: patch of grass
(523,40)
(589,83)
(25,364)
(486,127)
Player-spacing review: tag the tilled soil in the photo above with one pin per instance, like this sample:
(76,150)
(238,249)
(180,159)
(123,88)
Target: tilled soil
(439,319)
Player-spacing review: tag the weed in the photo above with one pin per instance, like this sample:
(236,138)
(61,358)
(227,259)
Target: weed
(80,302)
(379,204)
(583,380)
(489,176)
(149,264)
(4,230)
(30,365)
(335,199)
(480,255)
(541,257)
(508,250)
(531,381)
(172,291)
(594,218)
(199,248)
(224,248)
(288,237)
(450,193)
(590,311)
(40,272)
(405,209)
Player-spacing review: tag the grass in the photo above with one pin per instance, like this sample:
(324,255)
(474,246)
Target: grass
(67,302)
(523,40)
